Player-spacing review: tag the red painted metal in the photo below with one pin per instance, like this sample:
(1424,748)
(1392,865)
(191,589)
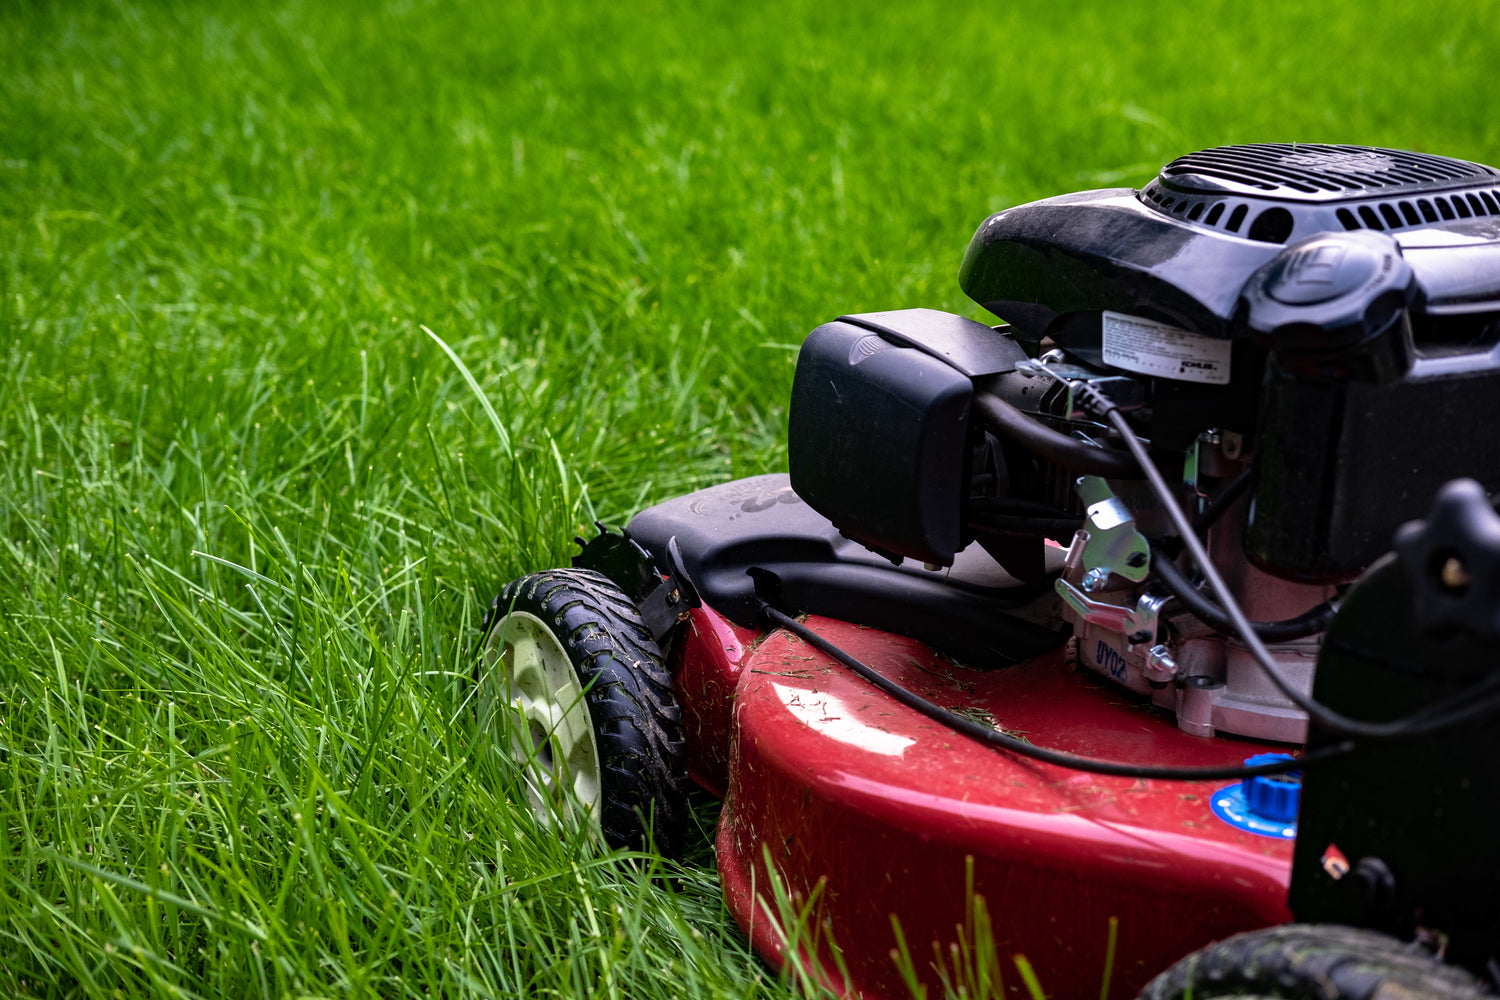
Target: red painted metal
(707,659)
(873,810)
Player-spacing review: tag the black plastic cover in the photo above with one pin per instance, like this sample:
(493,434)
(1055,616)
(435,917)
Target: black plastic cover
(1335,306)
(1179,250)
(1105,250)
(1304,173)
(1360,288)
(1342,464)
(806,565)
(878,439)
(970,347)
(1452,562)
(1425,807)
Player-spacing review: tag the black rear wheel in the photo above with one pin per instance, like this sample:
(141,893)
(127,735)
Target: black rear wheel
(1312,962)
(574,686)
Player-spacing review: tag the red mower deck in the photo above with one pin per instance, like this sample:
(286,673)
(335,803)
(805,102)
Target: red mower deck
(873,810)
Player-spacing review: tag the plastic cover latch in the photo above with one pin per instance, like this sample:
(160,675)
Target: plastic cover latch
(1453,561)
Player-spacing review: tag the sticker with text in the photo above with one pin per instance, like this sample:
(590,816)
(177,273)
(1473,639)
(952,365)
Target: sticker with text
(1151,348)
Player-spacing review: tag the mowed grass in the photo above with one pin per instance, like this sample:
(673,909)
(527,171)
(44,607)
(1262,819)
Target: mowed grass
(250,513)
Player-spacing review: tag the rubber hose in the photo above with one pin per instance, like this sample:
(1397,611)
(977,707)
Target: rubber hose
(1039,439)
(1223,501)
(1310,622)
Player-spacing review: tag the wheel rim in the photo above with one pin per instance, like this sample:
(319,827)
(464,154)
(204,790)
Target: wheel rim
(534,699)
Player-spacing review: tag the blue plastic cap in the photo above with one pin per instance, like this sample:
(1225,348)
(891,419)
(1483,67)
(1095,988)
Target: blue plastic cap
(1272,796)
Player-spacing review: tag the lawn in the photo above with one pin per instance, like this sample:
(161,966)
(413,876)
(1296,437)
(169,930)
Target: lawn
(251,513)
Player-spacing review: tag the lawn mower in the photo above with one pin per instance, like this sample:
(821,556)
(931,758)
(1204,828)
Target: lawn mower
(1149,634)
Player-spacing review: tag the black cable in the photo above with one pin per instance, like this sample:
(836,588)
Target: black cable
(1439,715)
(1013,516)
(1001,741)
(1057,528)
(1018,505)
(1082,457)
(1222,501)
(1310,622)
(1039,439)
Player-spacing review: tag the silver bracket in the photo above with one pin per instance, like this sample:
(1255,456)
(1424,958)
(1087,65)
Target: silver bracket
(1193,460)
(1125,393)
(1108,545)
(1147,613)
(1113,545)
(1116,617)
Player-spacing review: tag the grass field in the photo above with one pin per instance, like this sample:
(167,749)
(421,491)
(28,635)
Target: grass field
(250,513)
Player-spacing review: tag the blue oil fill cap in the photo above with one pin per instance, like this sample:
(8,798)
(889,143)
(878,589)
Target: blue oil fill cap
(1265,804)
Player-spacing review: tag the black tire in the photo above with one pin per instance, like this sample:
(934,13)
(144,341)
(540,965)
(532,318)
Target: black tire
(636,722)
(1312,962)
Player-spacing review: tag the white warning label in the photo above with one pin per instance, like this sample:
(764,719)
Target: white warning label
(1152,348)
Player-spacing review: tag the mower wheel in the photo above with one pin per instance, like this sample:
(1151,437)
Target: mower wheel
(1313,962)
(575,685)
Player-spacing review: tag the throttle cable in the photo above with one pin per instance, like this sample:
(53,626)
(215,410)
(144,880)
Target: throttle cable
(1001,741)
(1441,714)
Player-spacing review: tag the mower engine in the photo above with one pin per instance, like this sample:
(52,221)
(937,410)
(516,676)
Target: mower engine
(1306,336)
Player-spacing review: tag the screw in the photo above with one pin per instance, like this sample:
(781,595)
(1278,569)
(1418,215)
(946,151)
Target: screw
(1454,574)
(1094,580)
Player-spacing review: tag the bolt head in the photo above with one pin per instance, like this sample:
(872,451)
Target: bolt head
(1454,574)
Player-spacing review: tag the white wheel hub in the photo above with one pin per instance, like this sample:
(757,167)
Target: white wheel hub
(533,697)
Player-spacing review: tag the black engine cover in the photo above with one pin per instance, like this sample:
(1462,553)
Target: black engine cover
(1179,250)
(1359,288)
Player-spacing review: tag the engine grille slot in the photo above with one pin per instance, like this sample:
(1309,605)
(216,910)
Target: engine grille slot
(1326,187)
(1293,170)
(1446,208)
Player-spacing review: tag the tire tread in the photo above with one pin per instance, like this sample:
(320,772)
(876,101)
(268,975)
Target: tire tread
(1312,962)
(629,693)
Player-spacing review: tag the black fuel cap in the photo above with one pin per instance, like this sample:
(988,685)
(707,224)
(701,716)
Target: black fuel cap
(1335,305)
(1323,268)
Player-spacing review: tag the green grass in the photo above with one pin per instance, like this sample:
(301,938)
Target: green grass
(250,512)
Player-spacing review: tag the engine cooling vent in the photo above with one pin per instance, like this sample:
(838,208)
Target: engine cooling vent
(1276,191)
(1312,172)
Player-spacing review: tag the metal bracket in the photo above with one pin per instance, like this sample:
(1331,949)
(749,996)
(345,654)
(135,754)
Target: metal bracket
(1113,545)
(1130,621)
(670,602)
(1109,546)
(662,598)
(1126,393)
